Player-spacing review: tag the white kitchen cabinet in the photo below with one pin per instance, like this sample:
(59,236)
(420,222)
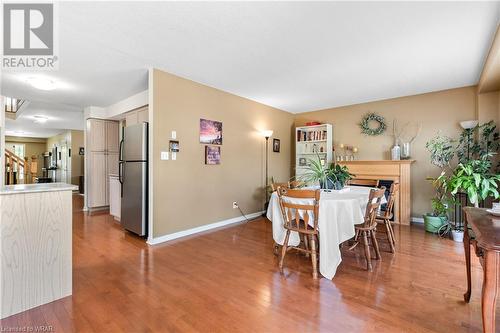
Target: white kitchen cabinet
(102,160)
(97,179)
(142,115)
(114,197)
(137,116)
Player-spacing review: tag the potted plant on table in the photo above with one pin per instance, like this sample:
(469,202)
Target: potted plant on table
(333,176)
(442,152)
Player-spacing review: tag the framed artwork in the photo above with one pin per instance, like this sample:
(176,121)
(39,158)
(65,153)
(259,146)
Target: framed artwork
(276,145)
(212,155)
(210,132)
(173,146)
(302,161)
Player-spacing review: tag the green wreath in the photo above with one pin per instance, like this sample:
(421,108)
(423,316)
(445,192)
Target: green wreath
(372,131)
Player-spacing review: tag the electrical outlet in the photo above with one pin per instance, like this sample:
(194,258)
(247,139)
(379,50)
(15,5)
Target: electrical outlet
(235,205)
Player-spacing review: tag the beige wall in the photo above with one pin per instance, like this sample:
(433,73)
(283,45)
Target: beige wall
(490,76)
(188,193)
(33,146)
(435,111)
(58,139)
(76,159)
(488,107)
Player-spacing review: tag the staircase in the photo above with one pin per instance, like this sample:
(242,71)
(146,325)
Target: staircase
(14,106)
(19,170)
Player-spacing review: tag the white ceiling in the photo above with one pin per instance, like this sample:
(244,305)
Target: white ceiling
(296,56)
(60,117)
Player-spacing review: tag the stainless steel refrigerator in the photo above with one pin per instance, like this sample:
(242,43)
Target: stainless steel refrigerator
(133,176)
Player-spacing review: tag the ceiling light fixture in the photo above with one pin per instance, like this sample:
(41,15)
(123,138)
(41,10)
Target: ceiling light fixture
(42,83)
(40,119)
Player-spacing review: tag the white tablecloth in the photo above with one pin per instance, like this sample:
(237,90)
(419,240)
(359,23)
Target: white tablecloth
(339,211)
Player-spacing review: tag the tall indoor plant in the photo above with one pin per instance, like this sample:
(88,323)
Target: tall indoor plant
(441,153)
(476,179)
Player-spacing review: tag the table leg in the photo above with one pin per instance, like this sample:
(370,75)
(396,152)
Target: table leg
(467,263)
(490,288)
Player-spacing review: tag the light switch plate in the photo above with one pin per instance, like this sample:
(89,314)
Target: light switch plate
(174,134)
(164,156)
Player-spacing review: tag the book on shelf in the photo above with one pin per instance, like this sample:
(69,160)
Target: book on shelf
(314,135)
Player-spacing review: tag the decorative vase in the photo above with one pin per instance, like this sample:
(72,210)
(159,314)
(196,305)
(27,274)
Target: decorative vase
(396,152)
(405,151)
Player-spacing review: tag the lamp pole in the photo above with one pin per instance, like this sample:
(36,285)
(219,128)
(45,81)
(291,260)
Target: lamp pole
(267,177)
(266,134)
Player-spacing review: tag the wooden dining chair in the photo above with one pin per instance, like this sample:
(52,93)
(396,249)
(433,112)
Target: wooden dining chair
(307,225)
(275,186)
(385,216)
(367,229)
(297,184)
(364,182)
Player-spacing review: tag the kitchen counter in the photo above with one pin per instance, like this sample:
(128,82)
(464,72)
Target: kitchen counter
(36,236)
(31,188)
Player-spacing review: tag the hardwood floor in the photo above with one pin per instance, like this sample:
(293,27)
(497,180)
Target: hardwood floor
(228,281)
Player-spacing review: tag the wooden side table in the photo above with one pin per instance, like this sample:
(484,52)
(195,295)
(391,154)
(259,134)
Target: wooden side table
(486,228)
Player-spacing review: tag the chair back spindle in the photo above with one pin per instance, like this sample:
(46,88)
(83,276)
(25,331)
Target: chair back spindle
(374,201)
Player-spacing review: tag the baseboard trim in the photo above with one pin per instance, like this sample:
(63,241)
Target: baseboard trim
(415,219)
(206,227)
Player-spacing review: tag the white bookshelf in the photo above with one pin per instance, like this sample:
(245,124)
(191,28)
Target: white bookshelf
(311,141)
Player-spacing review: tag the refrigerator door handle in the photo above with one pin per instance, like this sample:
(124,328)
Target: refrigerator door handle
(120,149)
(120,171)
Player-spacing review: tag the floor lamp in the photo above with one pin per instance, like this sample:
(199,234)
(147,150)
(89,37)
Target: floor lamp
(267,134)
(469,126)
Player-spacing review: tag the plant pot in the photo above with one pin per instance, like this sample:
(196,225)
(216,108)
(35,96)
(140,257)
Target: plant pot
(338,185)
(433,223)
(328,186)
(458,235)
(331,185)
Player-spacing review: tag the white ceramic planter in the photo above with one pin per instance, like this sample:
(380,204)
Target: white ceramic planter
(458,236)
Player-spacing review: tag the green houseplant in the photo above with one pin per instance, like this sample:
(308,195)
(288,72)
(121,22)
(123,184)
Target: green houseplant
(441,153)
(475,178)
(334,176)
(338,175)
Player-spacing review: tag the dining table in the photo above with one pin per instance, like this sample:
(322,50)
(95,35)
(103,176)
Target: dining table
(339,212)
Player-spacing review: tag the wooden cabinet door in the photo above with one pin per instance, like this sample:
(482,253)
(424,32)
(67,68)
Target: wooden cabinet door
(112,136)
(112,164)
(142,115)
(131,118)
(96,131)
(114,197)
(97,180)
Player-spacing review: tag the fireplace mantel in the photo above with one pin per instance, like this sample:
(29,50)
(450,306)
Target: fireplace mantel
(388,170)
